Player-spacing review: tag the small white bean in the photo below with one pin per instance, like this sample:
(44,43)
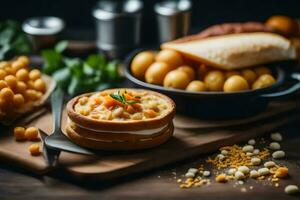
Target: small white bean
(255,161)
(274,146)
(189,175)
(224,152)
(248,148)
(263,171)
(239,175)
(193,170)
(256,151)
(254,174)
(269,164)
(251,142)
(291,189)
(276,137)
(231,171)
(244,169)
(117,112)
(206,173)
(278,154)
(221,157)
(249,154)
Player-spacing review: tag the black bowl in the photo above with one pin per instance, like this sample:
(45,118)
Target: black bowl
(221,105)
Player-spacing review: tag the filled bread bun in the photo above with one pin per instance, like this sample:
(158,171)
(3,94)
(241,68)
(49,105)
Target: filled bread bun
(236,51)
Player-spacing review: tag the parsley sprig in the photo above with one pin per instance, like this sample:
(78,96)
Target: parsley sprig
(121,98)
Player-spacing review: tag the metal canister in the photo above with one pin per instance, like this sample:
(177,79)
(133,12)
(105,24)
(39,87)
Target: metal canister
(118,26)
(43,31)
(173,19)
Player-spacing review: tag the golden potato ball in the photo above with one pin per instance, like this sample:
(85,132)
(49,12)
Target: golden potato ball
(141,62)
(176,79)
(262,70)
(40,85)
(31,133)
(17,65)
(235,83)
(22,75)
(263,81)
(19,133)
(18,100)
(10,71)
(188,70)
(214,80)
(30,84)
(2,74)
(34,149)
(21,87)
(156,73)
(30,95)
(171,57)
(7,94)
(249,75)
(3,84)
(24,60)
(283,24)
(35,74)
(196,86)
(231,73)
(202,70)
(11,81)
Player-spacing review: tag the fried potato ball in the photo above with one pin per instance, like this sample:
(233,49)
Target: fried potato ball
(141,62)
(18,100)
(7,94)
(171,57)
(34,74)
(19,133)
(21,87)
(189,70)
(40,85)
(196,86)
(263,81)
(24,60)
(231,73)
(176,79)
(249,75)
(156,73)
(11,81)
(3,84)
(34,149)
(235,83)
(202,70)
(262,70)
(10,71)
(214,80)
(32,133)
(22,75)
(2,74)
(30,95)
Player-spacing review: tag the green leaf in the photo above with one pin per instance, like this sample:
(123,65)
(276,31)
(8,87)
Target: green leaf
(96,61)
(52,61)
(111,71)
(62,77)
(61,46)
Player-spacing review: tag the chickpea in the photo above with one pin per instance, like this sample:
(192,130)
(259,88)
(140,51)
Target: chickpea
(40,85)
(263,81)
(30,84)
(10,71)
(202,70)
(141,63)
(17,65)
(34,149)
(11,81)
(2,74)
(7,94)
(189,70)
(117,112)
(235,83)
(32,133)
(21,87)
(176,79)
(30,95)
(262,70)
(3,84)
(171,57)
(214,80)
(22,75)
(19,133)
(249,75)
(24,60)
(156,73)
(4,64)
(18,100)
(230,73)
(196,86)
(34,74)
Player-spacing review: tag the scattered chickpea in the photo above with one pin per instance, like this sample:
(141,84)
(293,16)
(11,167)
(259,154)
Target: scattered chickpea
(19,133)
(34,149)
(282,172)
(221,178)
(32,133)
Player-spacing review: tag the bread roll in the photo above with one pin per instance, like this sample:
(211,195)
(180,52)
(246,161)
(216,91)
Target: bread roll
(236,51)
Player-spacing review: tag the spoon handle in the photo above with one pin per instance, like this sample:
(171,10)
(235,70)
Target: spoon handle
(57,98)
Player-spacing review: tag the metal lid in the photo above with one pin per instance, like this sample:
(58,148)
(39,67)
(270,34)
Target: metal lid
(109,9)
(172,7)
(43,25)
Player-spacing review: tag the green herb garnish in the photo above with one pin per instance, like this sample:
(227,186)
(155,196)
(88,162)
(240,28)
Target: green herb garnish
(121,98)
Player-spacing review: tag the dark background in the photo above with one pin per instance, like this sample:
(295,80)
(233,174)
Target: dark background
(77,13)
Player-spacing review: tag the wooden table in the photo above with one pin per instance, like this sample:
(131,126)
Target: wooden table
(160,184)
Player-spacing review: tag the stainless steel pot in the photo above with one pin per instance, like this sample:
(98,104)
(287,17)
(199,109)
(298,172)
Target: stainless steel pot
(118,25)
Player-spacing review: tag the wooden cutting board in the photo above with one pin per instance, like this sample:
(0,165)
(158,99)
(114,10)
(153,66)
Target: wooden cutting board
(191,138)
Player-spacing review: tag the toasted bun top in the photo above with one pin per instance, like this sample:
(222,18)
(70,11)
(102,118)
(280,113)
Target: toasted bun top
(236,51)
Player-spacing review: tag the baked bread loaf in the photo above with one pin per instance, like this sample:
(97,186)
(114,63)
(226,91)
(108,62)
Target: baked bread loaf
(236,51)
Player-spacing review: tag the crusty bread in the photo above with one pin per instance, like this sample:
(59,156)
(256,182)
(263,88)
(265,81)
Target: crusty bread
(236,51)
